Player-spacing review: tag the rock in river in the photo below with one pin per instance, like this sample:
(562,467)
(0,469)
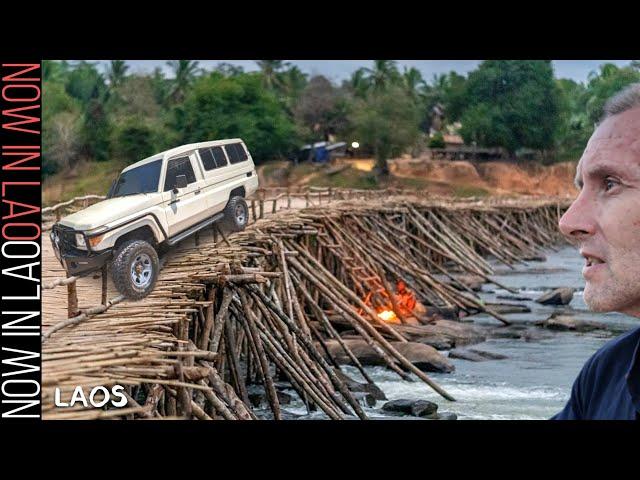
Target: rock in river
(568,323)
(416,408)
(423,356)
(559,296)
(473,355)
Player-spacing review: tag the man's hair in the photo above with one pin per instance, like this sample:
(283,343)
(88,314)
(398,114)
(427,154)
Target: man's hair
(622,101)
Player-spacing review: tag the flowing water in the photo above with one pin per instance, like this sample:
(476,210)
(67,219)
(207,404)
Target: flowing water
(536,379)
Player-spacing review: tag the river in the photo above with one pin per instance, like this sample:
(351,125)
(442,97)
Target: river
(536,379)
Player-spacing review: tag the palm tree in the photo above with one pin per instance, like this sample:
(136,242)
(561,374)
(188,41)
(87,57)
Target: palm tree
(359,83)
(383,73)
(116,73)
(184,73)
(413,82)
(270,70)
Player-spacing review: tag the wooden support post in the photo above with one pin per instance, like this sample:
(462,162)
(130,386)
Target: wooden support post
(103,300)
(261,208)
(306,197)
(196,238)
(273,210)
(288,198)
(72,300)
(253,209)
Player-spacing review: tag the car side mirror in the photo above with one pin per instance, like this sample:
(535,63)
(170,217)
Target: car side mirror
(181,182)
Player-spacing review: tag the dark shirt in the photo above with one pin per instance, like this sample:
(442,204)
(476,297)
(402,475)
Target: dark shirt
(608,387)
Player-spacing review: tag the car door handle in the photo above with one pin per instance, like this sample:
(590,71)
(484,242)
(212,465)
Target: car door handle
(196,192)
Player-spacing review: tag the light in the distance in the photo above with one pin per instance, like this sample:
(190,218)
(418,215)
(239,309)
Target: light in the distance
(355,145)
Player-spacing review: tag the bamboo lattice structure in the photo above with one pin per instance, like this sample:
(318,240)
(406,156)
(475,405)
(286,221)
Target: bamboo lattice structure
(256,307)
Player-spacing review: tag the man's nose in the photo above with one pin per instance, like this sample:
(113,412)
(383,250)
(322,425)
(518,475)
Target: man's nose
(577,222)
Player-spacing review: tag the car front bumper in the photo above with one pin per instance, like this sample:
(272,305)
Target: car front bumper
(75,261)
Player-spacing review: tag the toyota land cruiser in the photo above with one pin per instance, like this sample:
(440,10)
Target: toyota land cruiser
(157,202)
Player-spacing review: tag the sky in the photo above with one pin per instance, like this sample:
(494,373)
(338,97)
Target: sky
(338,70)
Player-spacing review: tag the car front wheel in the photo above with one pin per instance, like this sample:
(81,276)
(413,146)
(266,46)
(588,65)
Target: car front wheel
(135,269)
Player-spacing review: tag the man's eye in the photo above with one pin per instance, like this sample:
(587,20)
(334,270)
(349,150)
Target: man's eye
(610,183)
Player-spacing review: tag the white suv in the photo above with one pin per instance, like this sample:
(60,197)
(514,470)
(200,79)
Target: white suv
(157,202)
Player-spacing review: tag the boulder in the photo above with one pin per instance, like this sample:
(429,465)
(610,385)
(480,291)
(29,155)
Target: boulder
(516,298)
(356,387)
(415,408)
(475,355)
(443,332)
(535,258)
(365,399)
(423,356)
(258,397)
(566,323)
(559,296)
(509,307)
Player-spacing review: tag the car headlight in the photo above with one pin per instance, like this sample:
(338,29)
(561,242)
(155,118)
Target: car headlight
(80,240)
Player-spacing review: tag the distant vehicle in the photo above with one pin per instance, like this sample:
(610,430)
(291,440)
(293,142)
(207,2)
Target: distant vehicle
(157,202)
(322,152)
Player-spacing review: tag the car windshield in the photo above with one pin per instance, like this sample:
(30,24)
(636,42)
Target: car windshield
(142,179)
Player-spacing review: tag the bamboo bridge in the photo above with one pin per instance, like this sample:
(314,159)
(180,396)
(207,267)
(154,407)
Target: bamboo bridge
(232,311)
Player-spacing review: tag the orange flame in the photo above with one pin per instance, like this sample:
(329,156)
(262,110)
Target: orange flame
(388,316)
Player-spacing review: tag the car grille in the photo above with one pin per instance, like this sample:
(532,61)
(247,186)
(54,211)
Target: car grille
(67,239)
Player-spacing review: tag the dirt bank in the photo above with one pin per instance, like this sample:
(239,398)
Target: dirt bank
(498,178)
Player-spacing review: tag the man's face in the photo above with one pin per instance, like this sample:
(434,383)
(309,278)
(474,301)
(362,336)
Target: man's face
(604,221)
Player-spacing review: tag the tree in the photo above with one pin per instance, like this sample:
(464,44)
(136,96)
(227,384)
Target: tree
(387,122)
(61,141)
(574,127)
(413,82)
(359,83)
(512,104)
(184,72)
(85,83)
(96,131)
(270,70)
(133,140)
(292,83)
(320,108)
(605,83)
(228,107)
(228,69)
(116,73)
(383,74)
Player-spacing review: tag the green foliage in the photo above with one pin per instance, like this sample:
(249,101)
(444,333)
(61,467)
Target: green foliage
(121,117)
(437,141)
(604,84)
(511,104)
(96,131)
(85,83)
(387,121)
(229,107)
(133,141)
(320,109)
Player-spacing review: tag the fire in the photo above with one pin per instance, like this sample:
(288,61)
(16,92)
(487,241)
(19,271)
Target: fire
(395,309)
(388,316)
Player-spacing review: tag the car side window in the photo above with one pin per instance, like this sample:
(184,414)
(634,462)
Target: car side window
(236,153)
(212,158)
(208,161)
(221,159)
(175,167)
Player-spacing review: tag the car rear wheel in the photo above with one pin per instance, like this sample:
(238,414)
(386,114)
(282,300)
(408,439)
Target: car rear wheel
(236,214)
(135,269)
